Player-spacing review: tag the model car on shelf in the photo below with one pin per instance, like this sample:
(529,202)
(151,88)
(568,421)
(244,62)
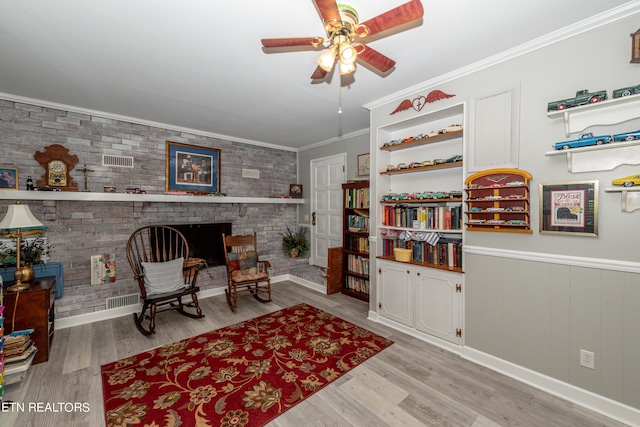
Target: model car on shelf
(392,142)
(414,165)
(450,128)
(455,194)
(391,196)
(391,168)
(475,209)
(582,97)
(477,221)
(496,221)
(517,222)
(454,159)
(515,209)
(492,209)
(584,140)
(427,163)
(627,181)
(627,136)
(439,161)
(424,195)
(401,166)
(626,91)
(514,183)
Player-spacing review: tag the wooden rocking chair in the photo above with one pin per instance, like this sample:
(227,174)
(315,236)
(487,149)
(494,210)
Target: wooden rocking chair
(159,258)
(246,274)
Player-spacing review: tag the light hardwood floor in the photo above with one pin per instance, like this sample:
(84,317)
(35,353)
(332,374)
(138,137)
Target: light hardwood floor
(411,383)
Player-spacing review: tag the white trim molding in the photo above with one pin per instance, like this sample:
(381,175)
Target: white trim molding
(575,261)
(612,409)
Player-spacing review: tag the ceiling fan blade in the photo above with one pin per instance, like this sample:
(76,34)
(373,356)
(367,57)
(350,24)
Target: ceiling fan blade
(328,10)
(318,74)
(289,42)
(400,15)
(376,59)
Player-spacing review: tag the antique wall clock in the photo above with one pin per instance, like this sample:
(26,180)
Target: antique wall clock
(57,163)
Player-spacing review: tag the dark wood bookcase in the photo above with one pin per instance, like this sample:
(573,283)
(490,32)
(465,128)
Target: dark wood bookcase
(355,240)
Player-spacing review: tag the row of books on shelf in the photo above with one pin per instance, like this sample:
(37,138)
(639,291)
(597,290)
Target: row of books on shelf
(358,264)
(358,244)
(358,223)
(447,252)
(356,284)
(423,217)
(357,198)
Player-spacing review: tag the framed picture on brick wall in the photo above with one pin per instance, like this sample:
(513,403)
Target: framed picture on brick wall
(8,178)
(192,169)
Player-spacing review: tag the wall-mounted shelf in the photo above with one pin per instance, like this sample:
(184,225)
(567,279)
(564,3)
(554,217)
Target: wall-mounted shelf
(608,112)
(124,197)
(630,197)
(600,157)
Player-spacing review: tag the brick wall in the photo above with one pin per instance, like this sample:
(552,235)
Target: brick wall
(78,230)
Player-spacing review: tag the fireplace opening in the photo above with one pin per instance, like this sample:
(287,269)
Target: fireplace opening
(205,240)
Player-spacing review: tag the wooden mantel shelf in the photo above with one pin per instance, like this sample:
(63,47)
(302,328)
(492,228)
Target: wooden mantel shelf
(123,197)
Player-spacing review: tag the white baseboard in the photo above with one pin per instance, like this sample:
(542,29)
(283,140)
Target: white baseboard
(112,313)
(595,402)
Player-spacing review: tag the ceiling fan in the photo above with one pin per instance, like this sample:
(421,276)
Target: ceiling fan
(346,36)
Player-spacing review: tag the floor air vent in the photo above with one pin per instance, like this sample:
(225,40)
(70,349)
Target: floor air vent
(123,300)
(117,161)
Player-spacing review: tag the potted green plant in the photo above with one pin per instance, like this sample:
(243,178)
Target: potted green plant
(32,251)
(294,242)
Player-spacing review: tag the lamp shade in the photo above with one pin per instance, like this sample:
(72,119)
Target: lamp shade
(19,216)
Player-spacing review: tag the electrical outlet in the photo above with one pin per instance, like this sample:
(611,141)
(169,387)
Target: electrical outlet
(587,359)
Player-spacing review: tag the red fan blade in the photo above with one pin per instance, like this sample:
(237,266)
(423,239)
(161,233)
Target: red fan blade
(289,42)
(376,59)
(400,15)
(328,10)
(318,74)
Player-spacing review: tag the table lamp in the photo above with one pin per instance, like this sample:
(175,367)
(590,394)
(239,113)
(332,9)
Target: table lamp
(17,219)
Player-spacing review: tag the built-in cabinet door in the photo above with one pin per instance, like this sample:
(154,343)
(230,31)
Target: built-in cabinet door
(438,303)
(396,291)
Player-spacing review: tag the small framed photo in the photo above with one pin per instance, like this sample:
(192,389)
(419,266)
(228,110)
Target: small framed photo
(295,191)
(363,164)
(109,188)
(192,169)
(8,178)
(569,208)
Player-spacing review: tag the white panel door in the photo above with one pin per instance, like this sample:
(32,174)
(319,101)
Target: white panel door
(327,176)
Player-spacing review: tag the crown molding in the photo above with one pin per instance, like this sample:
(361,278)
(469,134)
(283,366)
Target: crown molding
(596,21)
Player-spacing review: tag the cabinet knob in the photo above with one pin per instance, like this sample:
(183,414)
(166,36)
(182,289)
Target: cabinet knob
(418,273)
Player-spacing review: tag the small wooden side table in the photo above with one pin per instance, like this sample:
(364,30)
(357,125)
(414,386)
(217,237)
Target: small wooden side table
(35,309)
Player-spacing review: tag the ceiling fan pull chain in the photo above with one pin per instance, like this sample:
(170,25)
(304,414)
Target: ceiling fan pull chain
(339,97)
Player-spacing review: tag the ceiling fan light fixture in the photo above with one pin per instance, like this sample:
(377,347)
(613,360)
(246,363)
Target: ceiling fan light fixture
(348,53)
(347,68)
(327,59)
(332,26)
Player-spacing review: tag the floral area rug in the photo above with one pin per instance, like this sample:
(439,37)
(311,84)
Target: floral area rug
(241,375)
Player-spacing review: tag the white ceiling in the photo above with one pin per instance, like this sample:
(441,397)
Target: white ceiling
(199,64)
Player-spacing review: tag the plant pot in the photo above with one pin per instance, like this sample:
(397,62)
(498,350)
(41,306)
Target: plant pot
(293,253)
(24,273)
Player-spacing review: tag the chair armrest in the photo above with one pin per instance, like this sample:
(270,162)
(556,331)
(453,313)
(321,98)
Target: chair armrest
(266,264)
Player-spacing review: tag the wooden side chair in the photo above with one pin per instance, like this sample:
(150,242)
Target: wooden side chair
(159,258)
(246,274)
